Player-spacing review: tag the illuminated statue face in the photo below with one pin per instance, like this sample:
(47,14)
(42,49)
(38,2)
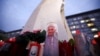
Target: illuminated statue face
(51,30)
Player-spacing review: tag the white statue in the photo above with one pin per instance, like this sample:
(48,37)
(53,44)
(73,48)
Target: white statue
(49,11)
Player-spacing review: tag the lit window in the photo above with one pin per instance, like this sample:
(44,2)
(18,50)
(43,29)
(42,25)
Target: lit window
(94,29)
(73,32)
(74,19)
(96,36)
(71,23)
(76,22)
(74,27)
(82,21)
(90,24)
(79,18)
(82,26)
(92,19)
(87,20)
(71,27)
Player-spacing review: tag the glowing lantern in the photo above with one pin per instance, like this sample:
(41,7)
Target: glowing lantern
(13,39)
(99,34)
(78,32)
(1,43)
(94,42)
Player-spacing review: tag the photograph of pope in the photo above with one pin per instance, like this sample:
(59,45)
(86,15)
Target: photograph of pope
(51,42)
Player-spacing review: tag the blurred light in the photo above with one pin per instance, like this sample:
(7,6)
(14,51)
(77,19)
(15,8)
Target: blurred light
(73,32)
(90,24)
(82,21)
(78,32)
(94,42)
(74,27)
(92,19)
(99,33)
(94,29)
(96,36)
(87,20)
(1,40)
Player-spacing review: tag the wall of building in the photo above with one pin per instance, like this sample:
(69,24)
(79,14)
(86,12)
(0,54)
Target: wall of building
(15,13)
